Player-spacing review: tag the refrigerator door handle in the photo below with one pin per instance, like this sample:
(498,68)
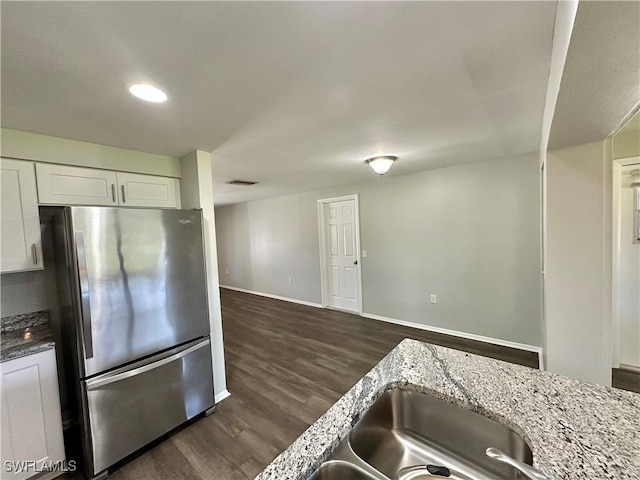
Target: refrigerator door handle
(108,378)
(85,296)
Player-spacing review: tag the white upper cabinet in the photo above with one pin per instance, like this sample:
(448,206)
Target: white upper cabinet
(63,185)
(19,220)
(31,418)
(148,191)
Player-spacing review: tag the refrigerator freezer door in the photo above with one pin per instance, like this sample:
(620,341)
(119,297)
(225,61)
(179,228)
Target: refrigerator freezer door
(141,276)
(129,408)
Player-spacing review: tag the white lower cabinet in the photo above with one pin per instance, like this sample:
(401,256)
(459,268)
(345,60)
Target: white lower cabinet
(31,418)
(20,237)
(64,185)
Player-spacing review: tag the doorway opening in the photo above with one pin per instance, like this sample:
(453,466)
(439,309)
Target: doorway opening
(626,255)
(626,264)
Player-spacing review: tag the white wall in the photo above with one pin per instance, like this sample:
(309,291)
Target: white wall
(629,282)
(44,148)
(197,192)
(626,144)
(562,29)
(23,292)
(578,263)
(469,233)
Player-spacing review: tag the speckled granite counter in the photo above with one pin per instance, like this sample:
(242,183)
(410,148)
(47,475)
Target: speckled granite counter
(575,430)
(25,334)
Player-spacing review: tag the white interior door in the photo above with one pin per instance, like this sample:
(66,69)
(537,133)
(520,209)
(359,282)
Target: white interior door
(342,279)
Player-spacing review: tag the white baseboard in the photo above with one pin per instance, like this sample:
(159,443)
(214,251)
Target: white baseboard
(276,297)
(456,333)
(221,396)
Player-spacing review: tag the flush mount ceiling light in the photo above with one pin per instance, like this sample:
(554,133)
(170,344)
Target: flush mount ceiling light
(147,92)
(381,165)
(242,183)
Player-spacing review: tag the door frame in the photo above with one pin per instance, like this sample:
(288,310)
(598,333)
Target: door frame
(616,217)
(324,275)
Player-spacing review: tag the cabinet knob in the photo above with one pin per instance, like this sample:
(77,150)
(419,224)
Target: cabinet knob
(34,253)
(123,199)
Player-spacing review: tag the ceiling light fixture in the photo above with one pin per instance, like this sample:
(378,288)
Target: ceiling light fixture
(381,165)
(242,183)
(148,93)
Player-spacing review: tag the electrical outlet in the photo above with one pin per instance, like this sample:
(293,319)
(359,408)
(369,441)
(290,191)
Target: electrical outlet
(290,279)
(226,272)
(364,254)
(433,298)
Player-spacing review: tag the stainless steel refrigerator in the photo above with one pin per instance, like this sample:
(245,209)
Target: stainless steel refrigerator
(135,326)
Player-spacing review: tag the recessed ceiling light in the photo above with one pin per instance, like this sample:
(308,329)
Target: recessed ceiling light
(148,93)
(381,165)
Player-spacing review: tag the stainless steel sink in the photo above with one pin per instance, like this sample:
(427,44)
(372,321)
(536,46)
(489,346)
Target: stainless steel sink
(334,469)
(404,429)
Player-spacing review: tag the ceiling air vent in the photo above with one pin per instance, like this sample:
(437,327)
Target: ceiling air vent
(244,183)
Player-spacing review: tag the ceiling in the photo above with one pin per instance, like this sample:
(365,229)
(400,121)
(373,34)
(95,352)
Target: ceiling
(294,95)
(601,79)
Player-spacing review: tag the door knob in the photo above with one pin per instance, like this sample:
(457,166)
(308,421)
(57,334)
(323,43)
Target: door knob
(356,262)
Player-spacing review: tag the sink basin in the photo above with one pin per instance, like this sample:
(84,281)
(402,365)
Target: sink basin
(404,429)
(336,469)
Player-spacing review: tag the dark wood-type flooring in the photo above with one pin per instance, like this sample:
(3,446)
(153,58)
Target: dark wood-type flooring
(626,379)
(286,365)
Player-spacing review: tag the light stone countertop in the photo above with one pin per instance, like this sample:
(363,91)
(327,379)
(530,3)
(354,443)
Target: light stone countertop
(575,430)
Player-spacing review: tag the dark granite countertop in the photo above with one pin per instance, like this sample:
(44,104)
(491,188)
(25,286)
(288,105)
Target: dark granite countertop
(25,334)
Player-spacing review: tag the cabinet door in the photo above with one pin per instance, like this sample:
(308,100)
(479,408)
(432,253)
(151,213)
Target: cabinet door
(19,220)
(147,191)
(31,419)
(62,185)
